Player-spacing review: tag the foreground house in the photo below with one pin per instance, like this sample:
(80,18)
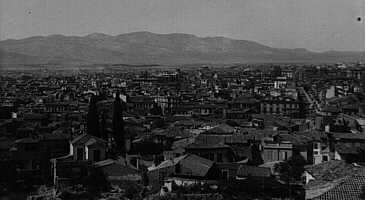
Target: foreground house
(326,176)
(350,188)
(31,155)
(117,171)
(191,167)
(88,148)
(83,152)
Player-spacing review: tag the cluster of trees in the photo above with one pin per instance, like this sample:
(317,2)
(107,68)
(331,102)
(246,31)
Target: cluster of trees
(98,127)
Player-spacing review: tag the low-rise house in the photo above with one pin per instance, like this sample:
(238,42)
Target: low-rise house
(146,152)
(227,171)
(350,188)
(247,171)
(83,151)
(32,154)
(88,148)
(349,143)
(351,154)
(214,152)
(247,152)
(244,102)
(277,151)
(323,177)
(116,171)
(221,129)
(323,152)
(188,166)
(140,104)
(281,105)
(177,148)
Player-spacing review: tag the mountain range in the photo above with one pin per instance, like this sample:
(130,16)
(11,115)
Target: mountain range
(152,48)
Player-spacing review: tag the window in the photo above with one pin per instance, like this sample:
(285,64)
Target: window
(219,157)
(79,153)
(96,155)
(325,158)
(284,155)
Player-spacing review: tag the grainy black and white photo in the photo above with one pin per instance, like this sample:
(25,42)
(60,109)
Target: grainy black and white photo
(182,99)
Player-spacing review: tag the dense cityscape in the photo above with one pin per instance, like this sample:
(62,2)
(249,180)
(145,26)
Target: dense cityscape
(239,131)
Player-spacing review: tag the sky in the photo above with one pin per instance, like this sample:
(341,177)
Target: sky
(317,25)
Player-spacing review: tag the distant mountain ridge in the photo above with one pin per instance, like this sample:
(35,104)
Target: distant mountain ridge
(152,48)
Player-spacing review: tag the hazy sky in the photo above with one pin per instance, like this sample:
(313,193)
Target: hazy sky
(314,24)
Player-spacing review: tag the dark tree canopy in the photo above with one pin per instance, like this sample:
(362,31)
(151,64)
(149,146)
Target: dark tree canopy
(103,128)
(93,118)
(118,123)
(292,169)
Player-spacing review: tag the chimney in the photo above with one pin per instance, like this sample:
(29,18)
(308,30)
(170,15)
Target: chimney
(327,128)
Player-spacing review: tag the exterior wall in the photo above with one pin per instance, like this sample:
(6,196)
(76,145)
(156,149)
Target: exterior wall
(320,155)
(227,171)
(156,177)
(304,154)
(90,154)
(168,155)
(75,149)
(116,172)
(279,108)
(213,154)
(317,154)
(277,152)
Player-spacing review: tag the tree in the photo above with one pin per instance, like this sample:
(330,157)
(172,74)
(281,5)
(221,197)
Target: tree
(103,128)
(291,171)
(93,118)
(118,123)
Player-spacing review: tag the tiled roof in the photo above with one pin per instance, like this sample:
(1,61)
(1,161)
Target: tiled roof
(220,129)
(192,165)
(331,171)
(352,136)
(294,138)
(104,162)
(27,140)
(88,140)
(167,163)
(197,166)
(350,188)
(344,149)
(172,132)
(206,146)
(182,143)
(247,170)
(245,99)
